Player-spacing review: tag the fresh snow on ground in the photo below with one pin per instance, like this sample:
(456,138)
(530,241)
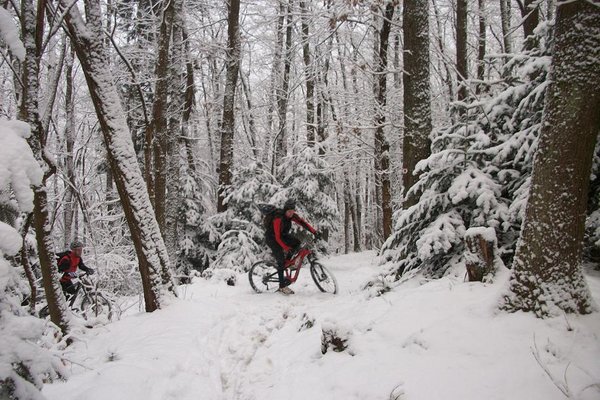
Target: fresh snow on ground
(425,340)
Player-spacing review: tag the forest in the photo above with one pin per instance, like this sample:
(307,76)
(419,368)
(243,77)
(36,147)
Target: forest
(435,135)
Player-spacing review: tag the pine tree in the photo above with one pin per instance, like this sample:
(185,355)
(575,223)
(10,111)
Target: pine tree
(241,242)
(308,181)
(478,173)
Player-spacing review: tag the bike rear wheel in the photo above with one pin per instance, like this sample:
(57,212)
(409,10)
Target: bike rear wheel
(263,277)
(323,278)
(95,304)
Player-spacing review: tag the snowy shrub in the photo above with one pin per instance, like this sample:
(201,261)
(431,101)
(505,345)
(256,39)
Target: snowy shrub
(199,238)
(478,173)
(239,231)
(307,179)
(235,255)
(25,362)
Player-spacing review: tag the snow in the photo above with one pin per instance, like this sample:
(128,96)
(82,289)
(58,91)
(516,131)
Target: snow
(10,35)
(426,339)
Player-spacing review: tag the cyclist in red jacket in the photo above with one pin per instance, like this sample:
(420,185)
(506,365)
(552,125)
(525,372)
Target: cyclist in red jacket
(68,263)
(281,242)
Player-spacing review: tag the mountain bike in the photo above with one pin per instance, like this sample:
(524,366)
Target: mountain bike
(87,300)
(263,274)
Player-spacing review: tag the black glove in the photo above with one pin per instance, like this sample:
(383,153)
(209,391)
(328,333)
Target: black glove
(318,236)
(90,271)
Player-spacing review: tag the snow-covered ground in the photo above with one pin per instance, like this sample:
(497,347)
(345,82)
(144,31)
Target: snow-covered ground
(440,339)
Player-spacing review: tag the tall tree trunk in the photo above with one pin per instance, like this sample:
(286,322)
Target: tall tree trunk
(87,40)
(505,15)
(282,93)
(275,79)
(158,126)
(530,12)
(177,93)
(309,75)
(382,147)
(481,48)
(440,35)
(462,69)
(228,120)
(547,274)
(69,204)
(417,100)
(32,23)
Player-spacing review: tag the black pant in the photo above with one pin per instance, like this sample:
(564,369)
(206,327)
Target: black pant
(279,255)
(68,288)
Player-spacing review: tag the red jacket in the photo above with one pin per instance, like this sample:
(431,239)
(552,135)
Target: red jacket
(282,225)
(68,263)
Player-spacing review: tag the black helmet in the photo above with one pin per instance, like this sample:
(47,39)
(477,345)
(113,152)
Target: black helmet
(76,244)
(290,204)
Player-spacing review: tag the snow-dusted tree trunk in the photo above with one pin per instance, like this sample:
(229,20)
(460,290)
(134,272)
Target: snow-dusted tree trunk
(158,127)
(530,12)
(68,206)
(505,15)
(32,24)
(228,121)
(382,147)
(417,104)
(481,47)
(309,76)
(462,61)
(547,275)
(87,40)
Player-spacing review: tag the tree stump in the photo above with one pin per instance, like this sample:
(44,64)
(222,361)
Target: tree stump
(480,252)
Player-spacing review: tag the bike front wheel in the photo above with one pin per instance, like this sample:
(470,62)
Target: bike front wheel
(263,277)
(95,304)
(323,278)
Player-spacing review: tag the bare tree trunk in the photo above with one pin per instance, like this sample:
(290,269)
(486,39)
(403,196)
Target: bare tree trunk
(439,36)
(275,75)
(417,103)
(282,92)
(87,40)
(69,204)
(505,15)
(530,12)
(250,117)
(309,76)
(228,121)
(382,147)
(32,24)
(547,276)
(462,69)
(158,127)
(481,48)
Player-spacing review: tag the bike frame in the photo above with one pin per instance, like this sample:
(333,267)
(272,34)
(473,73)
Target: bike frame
(293,266)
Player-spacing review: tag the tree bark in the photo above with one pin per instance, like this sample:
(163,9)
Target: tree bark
(158,128)
(382,147)
(282,93)
(530,12)
(32,24)
(309,75)
(417,103)
(505,15)
(547,274)
(462,69)
(87,40)
(481,48)
(228,120)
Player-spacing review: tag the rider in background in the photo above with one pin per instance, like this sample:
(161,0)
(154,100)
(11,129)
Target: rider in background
(281,242)
(68,263)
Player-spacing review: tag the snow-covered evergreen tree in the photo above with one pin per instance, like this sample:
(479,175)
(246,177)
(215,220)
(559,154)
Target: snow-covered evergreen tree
(478,173)
(307,179)
(241,225)
(199,238)
(25,361)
